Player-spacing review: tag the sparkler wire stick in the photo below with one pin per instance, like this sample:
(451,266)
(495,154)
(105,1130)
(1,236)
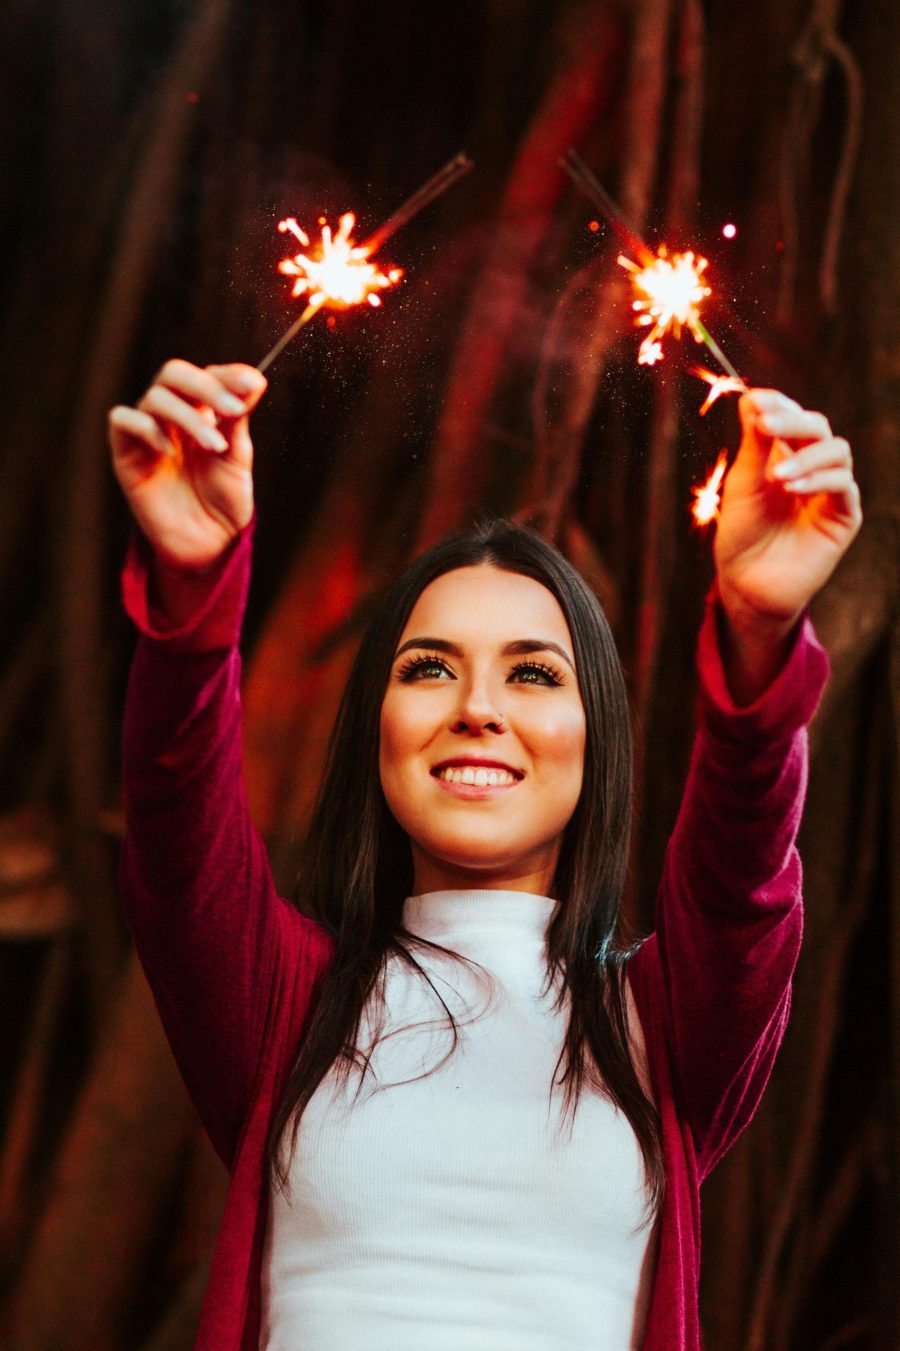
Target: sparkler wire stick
(595,192)
(286,336)
(438,183)
(426,194)
(717,352)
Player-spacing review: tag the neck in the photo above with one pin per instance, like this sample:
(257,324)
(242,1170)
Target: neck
(434,875)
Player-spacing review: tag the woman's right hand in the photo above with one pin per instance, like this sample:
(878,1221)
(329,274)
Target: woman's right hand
(184,459)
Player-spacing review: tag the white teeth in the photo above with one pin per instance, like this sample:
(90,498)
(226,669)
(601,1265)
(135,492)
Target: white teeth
(478,778)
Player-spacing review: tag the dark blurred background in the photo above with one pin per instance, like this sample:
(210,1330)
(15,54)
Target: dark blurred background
(148,151)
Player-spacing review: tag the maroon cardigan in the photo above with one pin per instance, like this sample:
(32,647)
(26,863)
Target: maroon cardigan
(234,968)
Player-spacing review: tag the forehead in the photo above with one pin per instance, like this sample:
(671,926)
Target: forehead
(484,604)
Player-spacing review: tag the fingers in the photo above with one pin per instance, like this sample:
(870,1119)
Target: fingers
(199,386)
(246,382)
(187,405)
(826,455)
(825,481)
(839,484)
(771,414)
(129,422)
(802,454)
(166,405)
(824,467)
(194,400)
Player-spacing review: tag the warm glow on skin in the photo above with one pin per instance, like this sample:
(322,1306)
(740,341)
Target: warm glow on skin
(451,707)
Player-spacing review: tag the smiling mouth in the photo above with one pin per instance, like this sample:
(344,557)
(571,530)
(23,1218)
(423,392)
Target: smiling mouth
(476,776)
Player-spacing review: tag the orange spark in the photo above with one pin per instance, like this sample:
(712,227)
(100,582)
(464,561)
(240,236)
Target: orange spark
(718,385)
(668,295)
(707,498)
(336,272)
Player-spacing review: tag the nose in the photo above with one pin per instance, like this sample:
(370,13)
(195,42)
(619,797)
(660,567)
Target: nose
(478,713)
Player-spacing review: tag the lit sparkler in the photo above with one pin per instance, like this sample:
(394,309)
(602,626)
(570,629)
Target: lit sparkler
(337,273)
(669,290)
(709,495)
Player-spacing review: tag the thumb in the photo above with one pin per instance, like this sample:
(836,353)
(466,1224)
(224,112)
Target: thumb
(752,407)
(760,449)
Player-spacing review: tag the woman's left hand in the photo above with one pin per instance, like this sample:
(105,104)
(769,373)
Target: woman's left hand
(790,509)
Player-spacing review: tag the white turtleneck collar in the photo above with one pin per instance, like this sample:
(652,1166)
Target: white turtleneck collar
(442,915)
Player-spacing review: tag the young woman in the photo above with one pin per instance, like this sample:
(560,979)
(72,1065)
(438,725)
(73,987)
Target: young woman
(455,1113)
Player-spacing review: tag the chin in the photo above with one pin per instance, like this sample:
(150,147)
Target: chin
(464,856)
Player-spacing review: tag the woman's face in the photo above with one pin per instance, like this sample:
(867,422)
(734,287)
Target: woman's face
(483,732)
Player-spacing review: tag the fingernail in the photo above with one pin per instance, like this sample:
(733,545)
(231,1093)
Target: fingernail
(250,382)
(797,485)
(231,406)
(783,469)
(212,439)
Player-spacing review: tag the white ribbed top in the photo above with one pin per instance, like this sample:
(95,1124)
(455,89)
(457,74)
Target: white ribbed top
(454,1213)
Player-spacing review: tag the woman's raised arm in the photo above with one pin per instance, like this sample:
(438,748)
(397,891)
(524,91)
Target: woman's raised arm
(719,966)
(220,948)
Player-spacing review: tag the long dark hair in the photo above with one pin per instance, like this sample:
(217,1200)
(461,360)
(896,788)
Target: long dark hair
(357,864)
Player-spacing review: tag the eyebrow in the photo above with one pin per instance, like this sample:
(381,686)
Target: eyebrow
(519,647)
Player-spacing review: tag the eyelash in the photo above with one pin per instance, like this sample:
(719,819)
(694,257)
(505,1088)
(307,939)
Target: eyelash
(413,664)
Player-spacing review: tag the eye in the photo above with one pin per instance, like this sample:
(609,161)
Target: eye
(424,668)
(535,673)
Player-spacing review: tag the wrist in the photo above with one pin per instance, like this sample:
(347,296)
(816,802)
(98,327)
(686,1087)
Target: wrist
(753,624)
(178,590)
(755,645)
(176,593)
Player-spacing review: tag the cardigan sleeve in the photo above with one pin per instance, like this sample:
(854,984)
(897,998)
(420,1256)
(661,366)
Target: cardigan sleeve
(729,909)
(213,936)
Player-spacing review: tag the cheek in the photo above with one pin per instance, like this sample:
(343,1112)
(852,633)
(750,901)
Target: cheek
(406,727)
(405,730)
(557,740)
(388,745)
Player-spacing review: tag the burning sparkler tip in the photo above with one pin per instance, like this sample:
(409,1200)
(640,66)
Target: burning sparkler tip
(707,498)
(668,295)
